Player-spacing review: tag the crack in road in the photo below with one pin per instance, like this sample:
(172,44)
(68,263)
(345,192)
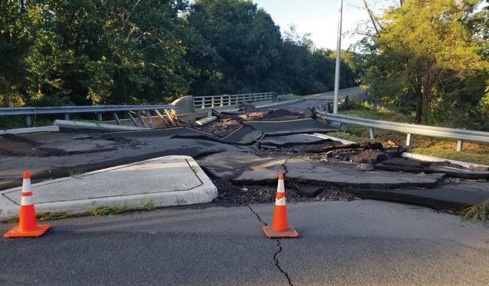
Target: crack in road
(279,245)
(284,165)
(257,215)
(278,265)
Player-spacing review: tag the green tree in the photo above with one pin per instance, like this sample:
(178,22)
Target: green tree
(14,45)
(243,46)
(92,51)
(242,50)
(424,51)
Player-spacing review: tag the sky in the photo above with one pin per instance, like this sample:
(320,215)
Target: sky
(320,18)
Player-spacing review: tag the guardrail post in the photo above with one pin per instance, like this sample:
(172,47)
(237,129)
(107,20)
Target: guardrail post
(28,121)
(460,145)
(132,119)
(409,139)
(148,113)
(116,118)
(67,116)
(99,116)
(212,102)
(372,135)
(141,119)
(222,101)
(344,127)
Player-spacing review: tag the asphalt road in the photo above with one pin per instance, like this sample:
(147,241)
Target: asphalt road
(342,243)
(324,98)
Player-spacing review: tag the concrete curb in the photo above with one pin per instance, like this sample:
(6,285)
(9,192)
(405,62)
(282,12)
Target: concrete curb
(436,159)
(16,131)
(89,125)
(322,136)
(114,193)
(204,121)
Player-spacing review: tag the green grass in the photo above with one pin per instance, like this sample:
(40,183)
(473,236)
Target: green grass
(438,147)
(51,216)
(478,212)
(108,210)
(149,205)
(12,122)
(368,111)
(11,219)
(349,136)
(76,172)
(40,217)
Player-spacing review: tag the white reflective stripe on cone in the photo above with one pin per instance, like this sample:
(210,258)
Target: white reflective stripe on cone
(281,187)
(26,185)
(280,202)
(26,201)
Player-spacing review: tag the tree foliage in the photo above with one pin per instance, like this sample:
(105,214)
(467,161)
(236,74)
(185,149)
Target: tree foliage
(430,57)
(57,52)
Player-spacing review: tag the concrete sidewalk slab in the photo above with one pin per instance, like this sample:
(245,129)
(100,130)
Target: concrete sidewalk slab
(28,130)
(163,181)
(95,126)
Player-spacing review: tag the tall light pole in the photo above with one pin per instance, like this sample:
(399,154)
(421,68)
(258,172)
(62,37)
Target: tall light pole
(338,52)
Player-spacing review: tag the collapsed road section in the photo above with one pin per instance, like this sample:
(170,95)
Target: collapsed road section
(243,151)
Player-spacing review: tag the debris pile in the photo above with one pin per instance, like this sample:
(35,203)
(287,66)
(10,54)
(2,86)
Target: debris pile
(222,127)
(228,122)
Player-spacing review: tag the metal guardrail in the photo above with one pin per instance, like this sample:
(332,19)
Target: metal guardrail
(202,102)
(432,131)
(98,109)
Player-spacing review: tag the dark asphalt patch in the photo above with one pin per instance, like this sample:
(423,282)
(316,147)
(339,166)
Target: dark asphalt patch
(289,127)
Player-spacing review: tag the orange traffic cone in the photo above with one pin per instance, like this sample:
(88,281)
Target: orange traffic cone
(280,227)
(27,226)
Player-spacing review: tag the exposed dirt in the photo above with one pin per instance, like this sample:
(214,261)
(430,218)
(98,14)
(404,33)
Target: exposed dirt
(250,194)
(359,153)
(253,115)
(221,127)
(250,113)
(227,123)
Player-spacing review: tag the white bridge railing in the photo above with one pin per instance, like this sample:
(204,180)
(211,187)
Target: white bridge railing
(202,102)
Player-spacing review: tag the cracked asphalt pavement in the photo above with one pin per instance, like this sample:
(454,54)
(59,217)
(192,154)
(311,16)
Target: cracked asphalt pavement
(342,243)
